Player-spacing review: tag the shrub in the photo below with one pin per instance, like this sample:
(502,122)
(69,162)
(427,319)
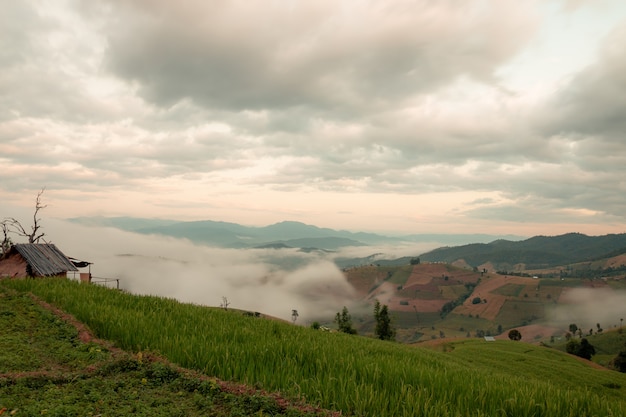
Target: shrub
(515,335)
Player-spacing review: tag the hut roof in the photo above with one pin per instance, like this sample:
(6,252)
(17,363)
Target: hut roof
(45,259)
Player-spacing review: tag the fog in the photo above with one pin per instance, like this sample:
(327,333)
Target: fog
(588,306)
(269,281)
(388,251)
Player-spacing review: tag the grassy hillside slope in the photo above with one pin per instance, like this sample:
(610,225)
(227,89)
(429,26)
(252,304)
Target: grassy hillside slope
(50,365)
(357,375)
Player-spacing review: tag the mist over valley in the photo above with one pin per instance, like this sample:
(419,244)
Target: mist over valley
(317,271)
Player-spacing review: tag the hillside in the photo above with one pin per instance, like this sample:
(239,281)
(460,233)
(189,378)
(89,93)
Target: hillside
(534,253)
(351,374)
(436,300)
(606,343)
(50,364)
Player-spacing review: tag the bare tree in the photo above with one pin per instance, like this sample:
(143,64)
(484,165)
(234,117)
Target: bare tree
(12,225)
(6,241)
(225,303)
(294,316)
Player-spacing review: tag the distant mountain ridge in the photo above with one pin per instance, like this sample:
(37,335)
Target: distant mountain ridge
(535,253)
(505,253)
(288,233)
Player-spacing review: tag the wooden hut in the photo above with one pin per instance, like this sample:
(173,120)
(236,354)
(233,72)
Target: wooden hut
(34,260)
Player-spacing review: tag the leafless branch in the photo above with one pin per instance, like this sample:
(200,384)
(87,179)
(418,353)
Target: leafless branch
(13,225)
(6,241)
(34,237)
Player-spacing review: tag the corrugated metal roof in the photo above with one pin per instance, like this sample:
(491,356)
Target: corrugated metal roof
(45,259)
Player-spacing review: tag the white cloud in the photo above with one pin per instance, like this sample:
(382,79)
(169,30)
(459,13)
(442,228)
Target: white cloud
(267,281)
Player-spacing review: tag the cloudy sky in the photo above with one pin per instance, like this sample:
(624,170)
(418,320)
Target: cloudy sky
(417,116)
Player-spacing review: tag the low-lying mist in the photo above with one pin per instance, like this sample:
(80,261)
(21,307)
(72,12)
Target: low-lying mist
(269,281)
(588,307)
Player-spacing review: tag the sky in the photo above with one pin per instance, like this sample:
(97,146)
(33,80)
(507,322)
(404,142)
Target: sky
(396,116)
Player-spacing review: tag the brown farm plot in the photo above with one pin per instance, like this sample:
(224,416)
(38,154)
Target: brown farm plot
(491,289)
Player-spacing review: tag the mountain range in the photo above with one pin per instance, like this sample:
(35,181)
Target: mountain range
(286,233)
(535,253)
(507,252)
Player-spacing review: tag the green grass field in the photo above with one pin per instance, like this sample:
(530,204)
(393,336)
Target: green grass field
(399,274)
(456,325)
(357,375)
(46,370)
(520,312)
(452,292)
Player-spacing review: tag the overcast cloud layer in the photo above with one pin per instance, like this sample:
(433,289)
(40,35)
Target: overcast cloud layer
(416,116)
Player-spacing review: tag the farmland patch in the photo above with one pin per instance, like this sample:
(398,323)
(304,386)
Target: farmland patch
(520,313)
(511,290)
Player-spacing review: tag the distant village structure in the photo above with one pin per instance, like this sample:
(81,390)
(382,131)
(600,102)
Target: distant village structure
(35,260)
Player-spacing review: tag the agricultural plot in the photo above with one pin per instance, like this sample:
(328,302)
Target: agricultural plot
(452,292)
(405,319)
(365,279)
(565,283)
(509,290)
(514,313)
(421,292)
(400,304)
(488,308)
(424,287)
(617,284)
(399,276)
(458,325)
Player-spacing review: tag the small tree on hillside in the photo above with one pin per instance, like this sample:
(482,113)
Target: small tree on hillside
(619,362)
(571,346)
(515,335)
(384,330)
(581,348)
(586,349)
(573,328)
(225,303)
(294,316)
(344,321)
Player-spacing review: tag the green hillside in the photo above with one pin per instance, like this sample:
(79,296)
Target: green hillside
(357,375)
(536,252)
(51,366)
(607,344)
